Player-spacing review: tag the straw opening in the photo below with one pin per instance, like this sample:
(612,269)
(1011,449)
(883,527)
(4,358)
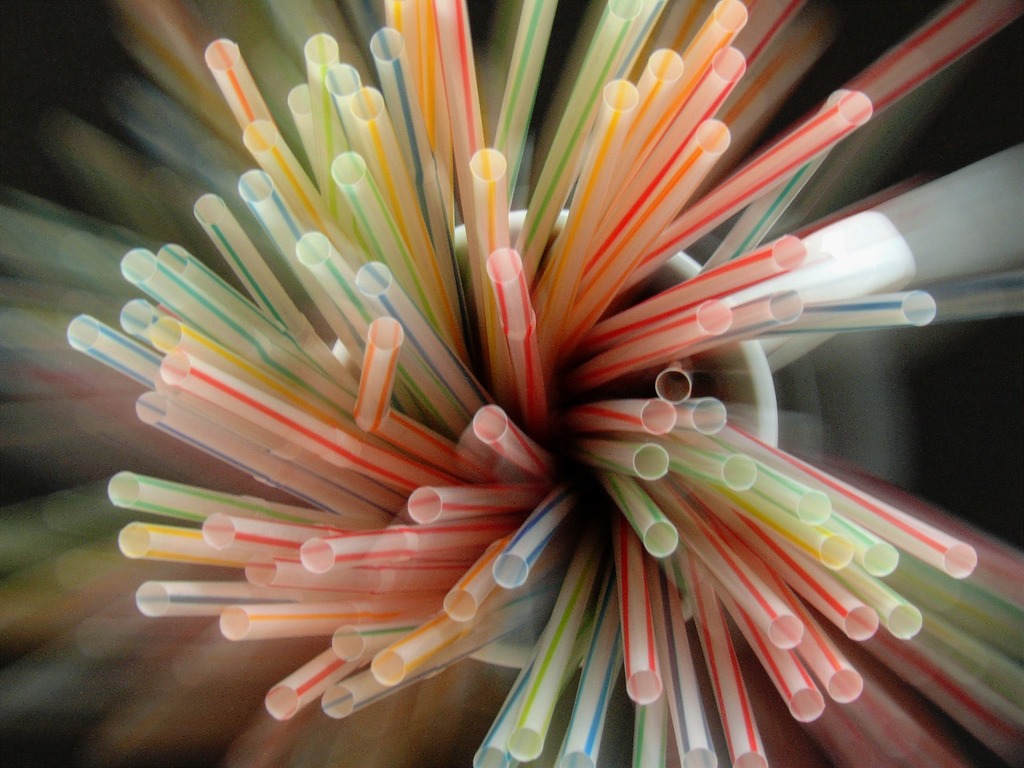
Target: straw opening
(751,760)
(510,570)
(665,65)
(814,508)
(260,136)
(786,631)
(661,539)
(835,552)
(845,686)
(425,505)
(881,559)
(525,744)
(386,334)
(490,424)
(134,540)
(282,702)
(347,643)
(918,308)
(658,417)
(709,415)
(730,15)
(138,265)
(807,705)
(739,472)
(700,758)
(373,279)
(83,333)
(343,80)
(123,489)
(166,334)
(255,187)
(673,385)
(904,621)
(650,462)
(460,605)
(317,556)
(348,169)
(209,209)
(151,408)
(313,249)
(960,561)
(860,623)
(219,531)
(388,667)
(643,686)
(221,55)
(713,317)
(789,252)
(729,64)
(321,50)
(151,599)
(234,623)
(488,165)
(387,45)
(367,104)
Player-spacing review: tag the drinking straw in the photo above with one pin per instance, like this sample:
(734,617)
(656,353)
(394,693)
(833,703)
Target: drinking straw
(734,708)
(512,566)
(301,108)
(791,679)
(249,266)
(221,531)
(284,700)
(979,298)
(206,598)
(658,534)
(817,134)
(137,316)
(404,576)
(619,254)
(174,543)
(447,380)
(606,50)
(602,662)
(278,620)
(553,649)
(892,310)
(806,504)
(651,416)
(560,279)
(900,617)
(920,539)
(321,53)
(875,556)
(656,347)
(142,493)
(753,268)
(643,673)
(493,750)
(359,549)
(362,641)
(809,579)
(373,403)
(697,459)
(461,502)
(228,68)
(112,348)
(397,79)
(650,735)
(673,384)
(519,325)
(646,460)
(705,415)
(464,599)
(532,34)
(394,663)
(492,426)
(682,692)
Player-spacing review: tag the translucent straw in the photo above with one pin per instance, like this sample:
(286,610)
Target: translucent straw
(359,549)
(464,599)
(734,708)
(361,641)
(512,566)
(460,502)
(383,341)
(112,348)
(552,651)
(648,461)
(658,534)
(320,54)
(601,665)
(643,673)
(650,735)
(279,620)
(816,135)
(221,531)
(895,310)
(228,68)
(206,598)
(652,416)
(183,545)
(284,700)
(682,692)
(395,663)
(493,427)
(301,108)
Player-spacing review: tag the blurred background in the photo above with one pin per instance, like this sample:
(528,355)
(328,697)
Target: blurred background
(940,413)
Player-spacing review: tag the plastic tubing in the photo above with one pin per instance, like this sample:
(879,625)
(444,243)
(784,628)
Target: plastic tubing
(112,348)
(284,700)
(651,416)
(894,310)
(204,598)
(300,106)
(656,531)
(493,427)
(706,415)
(463,600)
(278,620)
(359,548)
(373,403)
(460,502)
(512,566)
(225,62)
(643,673)
(221,531)
(320,54)
(646,460)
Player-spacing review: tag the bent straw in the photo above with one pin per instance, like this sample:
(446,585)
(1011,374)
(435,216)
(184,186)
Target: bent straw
(493,428)
(553,649)
(914,536)
(112,348)
(229,70)
(129,490)
(682,692)
(741,732)
(284,700)
(601,665)
(784,255)
(654,347)
(818,134)
(461,502)
(519,324)
(464,599)
(607,48)
(658,534)
(643,673)
(512,566)
(648,461)
(651,417)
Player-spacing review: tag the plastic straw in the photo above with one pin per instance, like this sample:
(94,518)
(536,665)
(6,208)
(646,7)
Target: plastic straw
(221,531)
(673,384)
(652,416)
(383,341)
(899,615)
(284,700)
(183,545)
(656,531)
(361,641)
(643,673)
(393,664)
(228,68)
(114,349)
(601,665)
(512,566)
(648,461)
(206,598)
(552,651)
(301,108)
(694,459)
(460,502)
(650,735)
(463,600)
(320,54)
(912,308)
(492,426)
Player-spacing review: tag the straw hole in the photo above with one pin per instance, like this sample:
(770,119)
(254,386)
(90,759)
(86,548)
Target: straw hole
(881,559)
(807,705)
(83,332)
(855,108)
(713,137)
(460,605)
(661,539)
(730,15)
(673,385)
(367,104)
(136,317)
(341,706)
(576,760)
(166,334)
(321,50)
(904,621)
(123,489)
(373,279)
(665,65)
(845,686)
(860,623)
(835,552)
(739,472)
(134,540)
(785,632)
(729,64)
(709,415)
(234,623)
(209,209)
(525,744)
(814,508)
(387,45)
(298,100)
(316,555)
(151,599)
(150,408)
(658,417)
(490,757)
(218,531)
(960,561)
(789,252)
(221,55)
(255,187)
(260,573)
(644,686)
(650,462)
(510,571)
(386,334)
(313,249)
(786,306)
(490,424)
(919,308)
(343,80)
(138,265)
(625,9)
(424,505)
(347,643)
(620,96)
(750,760)
(175,368)
(713,317)
(388,667)
(260,136)
(281,702)
(488,165)
(504,266)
